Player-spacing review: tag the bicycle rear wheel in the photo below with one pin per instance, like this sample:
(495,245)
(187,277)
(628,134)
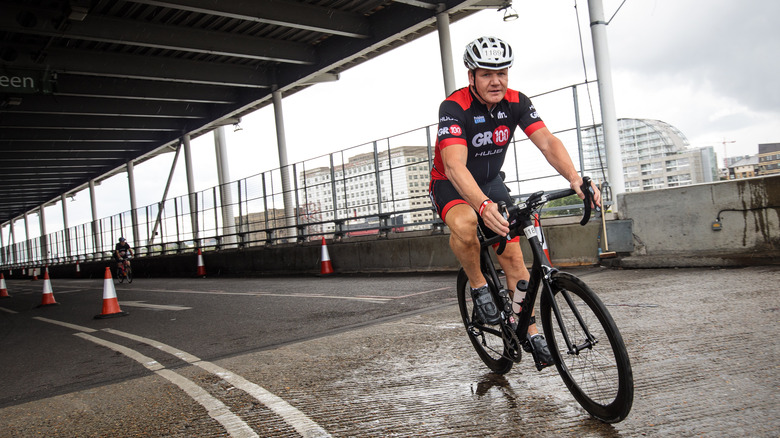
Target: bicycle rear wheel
(487,340)
(598,373)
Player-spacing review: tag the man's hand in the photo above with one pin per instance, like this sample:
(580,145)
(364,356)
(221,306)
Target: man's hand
(576,185)
(494,220)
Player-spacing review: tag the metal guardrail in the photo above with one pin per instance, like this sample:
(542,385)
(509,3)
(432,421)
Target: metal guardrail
(376,188)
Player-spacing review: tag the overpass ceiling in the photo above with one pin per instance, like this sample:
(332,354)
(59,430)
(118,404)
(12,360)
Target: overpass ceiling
(112,81)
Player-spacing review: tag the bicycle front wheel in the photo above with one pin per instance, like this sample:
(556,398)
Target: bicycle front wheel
(487,340)
(129,274)
(594,363)
(120,275)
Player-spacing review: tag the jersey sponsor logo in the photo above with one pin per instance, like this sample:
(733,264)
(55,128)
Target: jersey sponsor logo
(498,137)
(501,115)
(534,114)
(479,119)
(501,135)
(488,153)
(444,131)
(447,119)
(455,130)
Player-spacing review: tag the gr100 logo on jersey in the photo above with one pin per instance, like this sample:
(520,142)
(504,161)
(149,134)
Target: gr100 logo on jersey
(498,137)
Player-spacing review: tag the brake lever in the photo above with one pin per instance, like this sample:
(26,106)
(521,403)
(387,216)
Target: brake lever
(587,190)
(502,244)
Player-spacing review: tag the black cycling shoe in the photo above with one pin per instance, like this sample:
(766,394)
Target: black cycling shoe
(486,310)
(537,346)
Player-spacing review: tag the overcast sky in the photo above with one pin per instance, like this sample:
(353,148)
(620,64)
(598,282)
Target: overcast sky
(709,68)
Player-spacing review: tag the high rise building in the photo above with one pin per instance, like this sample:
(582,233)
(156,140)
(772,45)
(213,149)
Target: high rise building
(655,155)
(358,191)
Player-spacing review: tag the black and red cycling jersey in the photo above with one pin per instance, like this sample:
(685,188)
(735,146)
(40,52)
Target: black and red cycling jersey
(463,119)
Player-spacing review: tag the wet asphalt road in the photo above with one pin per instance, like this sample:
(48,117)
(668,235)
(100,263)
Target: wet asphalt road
(373,356)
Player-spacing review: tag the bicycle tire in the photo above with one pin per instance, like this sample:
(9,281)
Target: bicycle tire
(488,342)
(119,276)
(129,274)
(599,377)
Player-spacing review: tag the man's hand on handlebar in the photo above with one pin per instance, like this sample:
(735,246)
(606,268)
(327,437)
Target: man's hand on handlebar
(576,185)
(494,220)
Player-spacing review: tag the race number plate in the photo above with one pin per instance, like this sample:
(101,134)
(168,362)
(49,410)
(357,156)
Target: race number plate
(530,231)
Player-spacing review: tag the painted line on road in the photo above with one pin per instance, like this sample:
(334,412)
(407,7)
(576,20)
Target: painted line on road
(146,305)
(408,295)
(65,324)
(292,416)
(217,410)
(378,300)
(8,310)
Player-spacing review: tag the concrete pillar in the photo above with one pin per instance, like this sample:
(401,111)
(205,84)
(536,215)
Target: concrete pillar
(44,234)
(445,47)
(27,238)
(66,231)
(133,204)
(598,30)
(193,197)
(225,194)
(97,239)
(284,167)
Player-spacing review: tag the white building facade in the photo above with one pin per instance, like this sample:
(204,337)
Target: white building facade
(655,155)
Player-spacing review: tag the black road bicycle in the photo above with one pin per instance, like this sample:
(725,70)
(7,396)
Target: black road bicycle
(584,341)
(124,271)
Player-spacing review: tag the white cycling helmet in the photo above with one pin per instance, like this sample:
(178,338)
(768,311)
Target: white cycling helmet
(489,53)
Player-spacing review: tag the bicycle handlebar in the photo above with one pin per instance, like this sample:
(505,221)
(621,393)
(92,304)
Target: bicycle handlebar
(535,201)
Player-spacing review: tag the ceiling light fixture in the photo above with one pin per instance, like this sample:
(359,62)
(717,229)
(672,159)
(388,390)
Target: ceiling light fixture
(509,13)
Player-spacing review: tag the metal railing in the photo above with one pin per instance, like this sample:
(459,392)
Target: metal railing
(376,189)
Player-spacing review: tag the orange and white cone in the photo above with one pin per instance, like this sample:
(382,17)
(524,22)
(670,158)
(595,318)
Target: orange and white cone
(48,295)
(110,303)
(78,270)
(541,238)
(35,275)
(201,266)
(3,290)
(326,268)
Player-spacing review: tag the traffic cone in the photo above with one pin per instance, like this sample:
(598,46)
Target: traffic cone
(35,275)
(78,270)
(326,268)
(110,303)
(541,238)
(3,290)
(201,266)
(48,296)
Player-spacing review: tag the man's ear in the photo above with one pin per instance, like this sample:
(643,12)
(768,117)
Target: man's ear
(471,77)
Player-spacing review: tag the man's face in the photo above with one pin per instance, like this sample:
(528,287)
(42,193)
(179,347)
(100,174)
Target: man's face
(490,84)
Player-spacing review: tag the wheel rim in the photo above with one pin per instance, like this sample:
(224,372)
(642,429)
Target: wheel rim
(593,370)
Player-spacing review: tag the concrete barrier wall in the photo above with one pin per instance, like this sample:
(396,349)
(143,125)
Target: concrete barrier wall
(570,244)
(674,227)
(669,228)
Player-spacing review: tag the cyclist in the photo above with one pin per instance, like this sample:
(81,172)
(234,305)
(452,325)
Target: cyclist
(476,124)
(121,251)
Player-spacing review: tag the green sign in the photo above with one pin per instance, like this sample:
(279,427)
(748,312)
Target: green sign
(25,81)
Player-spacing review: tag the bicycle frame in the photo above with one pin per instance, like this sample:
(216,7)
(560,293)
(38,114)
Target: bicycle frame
(541,272)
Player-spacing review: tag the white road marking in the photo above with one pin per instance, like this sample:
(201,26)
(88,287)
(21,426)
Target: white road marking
(292,416)
(153,306)
(8,310)
(378,300)
(65,324)
(217,410)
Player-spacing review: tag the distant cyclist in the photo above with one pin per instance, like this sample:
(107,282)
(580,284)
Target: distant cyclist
(121,252)
(476,124)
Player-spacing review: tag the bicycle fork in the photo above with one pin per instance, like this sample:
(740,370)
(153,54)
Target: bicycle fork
(542,272)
